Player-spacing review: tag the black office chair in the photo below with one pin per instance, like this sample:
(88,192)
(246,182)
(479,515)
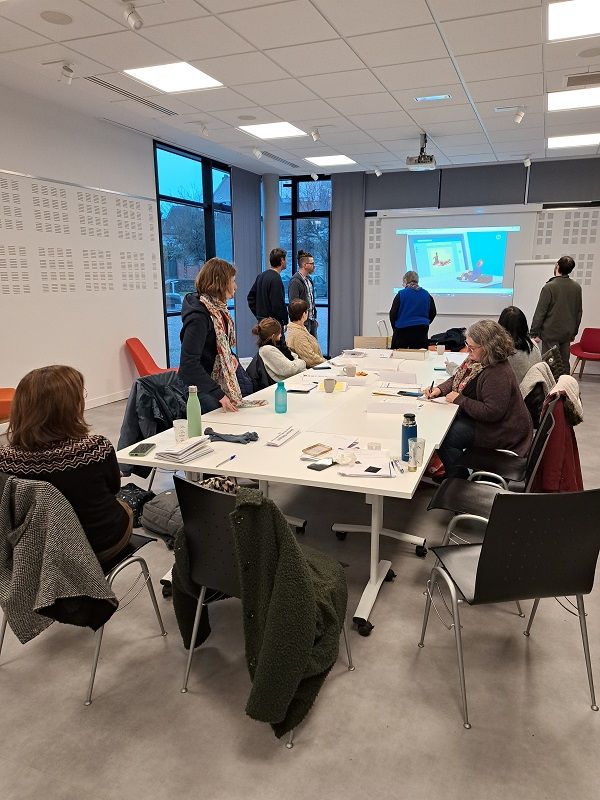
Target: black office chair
(535,545)
(505,467)
(212,554)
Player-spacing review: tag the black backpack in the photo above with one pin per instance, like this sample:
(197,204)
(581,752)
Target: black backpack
(454,339)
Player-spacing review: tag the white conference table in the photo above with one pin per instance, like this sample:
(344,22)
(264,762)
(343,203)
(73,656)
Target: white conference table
(315,415)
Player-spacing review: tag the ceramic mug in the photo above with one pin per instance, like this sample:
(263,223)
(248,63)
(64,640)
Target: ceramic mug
(349,370)
(329,384)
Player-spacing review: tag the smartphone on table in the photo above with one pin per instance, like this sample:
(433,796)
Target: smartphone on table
(324,463)
(142,449)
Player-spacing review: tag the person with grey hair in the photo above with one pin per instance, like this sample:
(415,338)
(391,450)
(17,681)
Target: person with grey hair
(412,311)
(492,412)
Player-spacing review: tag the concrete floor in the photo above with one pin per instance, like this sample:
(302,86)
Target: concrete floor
(391,729)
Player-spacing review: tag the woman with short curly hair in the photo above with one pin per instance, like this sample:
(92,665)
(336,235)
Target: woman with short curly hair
(491,409)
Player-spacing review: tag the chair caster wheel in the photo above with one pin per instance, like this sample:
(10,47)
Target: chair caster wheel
(167,589)
(87,703)
(363,626)
(467,725)
(341,535)
(421,550)
(526,633)
(289,745)
(390,576)
(183,691)
(421,644)
(594,708)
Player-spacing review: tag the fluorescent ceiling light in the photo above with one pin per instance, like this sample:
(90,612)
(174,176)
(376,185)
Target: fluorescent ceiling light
(573,19)
(581,140)
(575,98)
(273,130)
(432,98)
(330,161)
(179,77)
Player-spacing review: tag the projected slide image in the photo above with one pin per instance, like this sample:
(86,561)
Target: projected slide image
(459,260)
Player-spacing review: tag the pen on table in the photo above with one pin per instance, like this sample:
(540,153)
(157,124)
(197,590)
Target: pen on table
(220,464)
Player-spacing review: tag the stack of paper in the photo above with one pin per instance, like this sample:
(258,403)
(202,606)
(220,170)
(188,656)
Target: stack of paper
(369,464)
(191,449)
(354,354)
(283,436)
(301,386)
(398,389)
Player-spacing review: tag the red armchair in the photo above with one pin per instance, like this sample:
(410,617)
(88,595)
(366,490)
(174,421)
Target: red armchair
(587,349)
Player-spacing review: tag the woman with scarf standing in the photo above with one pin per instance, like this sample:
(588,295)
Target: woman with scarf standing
(491,409)
(208,340)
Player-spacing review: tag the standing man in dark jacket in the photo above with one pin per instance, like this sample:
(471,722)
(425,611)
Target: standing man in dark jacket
(301,287)
(558,313)
(266,298)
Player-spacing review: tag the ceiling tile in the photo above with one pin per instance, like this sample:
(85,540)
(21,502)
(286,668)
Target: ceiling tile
(532,105)
(124,50)
(86,21)
(365,103)
(465,149)
(391,119)
(502,31)
(455,9)
(392,134)
(555,81)
(307,109)
(517,134)
(338,84)
(241,68)
(474,159)
(214,99)
(400,46)
(221,6)
(289,23)
(538,152)
(566,152)
(455,127)
(586,120)
(13,36)
(403,145)
(153,12)
(504,121)
(209,122)
(166,102)
(421,73)
(445,114)
(350,17)
(354,150)
(564,55)
(232,116)
(407,98)
(522,146)
(50,56)
(316,58)
(331,123)
(501,63)
(505,88)
(271,92)
(456,140)
(235,137)
(335,138)
(194,39)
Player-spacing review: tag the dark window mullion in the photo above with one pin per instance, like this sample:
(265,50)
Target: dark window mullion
(209,219)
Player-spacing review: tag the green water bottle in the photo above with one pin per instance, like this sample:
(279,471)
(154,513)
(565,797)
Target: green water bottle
(280,398)
(194,415)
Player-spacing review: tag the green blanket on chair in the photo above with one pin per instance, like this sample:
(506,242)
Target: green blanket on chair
(294,603)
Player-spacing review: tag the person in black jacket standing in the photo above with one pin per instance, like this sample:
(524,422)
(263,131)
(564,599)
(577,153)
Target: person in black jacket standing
(301,287)
(266,298)
(207,337)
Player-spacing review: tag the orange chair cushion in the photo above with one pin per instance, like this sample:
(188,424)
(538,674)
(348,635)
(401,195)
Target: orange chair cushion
(6,398)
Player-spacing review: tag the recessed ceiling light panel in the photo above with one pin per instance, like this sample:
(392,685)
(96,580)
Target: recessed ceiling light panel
(330,161)
(573,19)
(575,98)
(178,77)
(433,98)
(273,130)
(581,140)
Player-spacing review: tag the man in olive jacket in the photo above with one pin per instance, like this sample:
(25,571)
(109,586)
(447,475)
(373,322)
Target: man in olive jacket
(559,309)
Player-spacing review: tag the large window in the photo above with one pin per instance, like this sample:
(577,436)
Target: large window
(194,196)
(304,212)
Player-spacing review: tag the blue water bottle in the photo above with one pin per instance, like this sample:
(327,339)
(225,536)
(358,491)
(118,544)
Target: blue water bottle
(409,431)
(280,398)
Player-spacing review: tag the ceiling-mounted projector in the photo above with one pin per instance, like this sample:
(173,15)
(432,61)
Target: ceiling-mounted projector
(423,161)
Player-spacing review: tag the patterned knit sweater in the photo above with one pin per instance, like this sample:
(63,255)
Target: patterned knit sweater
(86,472)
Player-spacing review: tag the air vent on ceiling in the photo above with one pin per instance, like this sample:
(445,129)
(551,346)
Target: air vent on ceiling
(273,157)
(131,96)
(583,80)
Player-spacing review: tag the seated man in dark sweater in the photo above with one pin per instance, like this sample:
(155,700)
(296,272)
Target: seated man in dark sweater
(266,298)
(50,441)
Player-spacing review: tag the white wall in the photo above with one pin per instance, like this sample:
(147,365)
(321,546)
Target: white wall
(79,323)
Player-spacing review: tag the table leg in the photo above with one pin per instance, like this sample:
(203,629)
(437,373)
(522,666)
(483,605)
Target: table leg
(378,570)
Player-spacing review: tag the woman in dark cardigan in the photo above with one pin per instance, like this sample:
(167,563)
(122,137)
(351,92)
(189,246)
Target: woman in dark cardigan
(492,412)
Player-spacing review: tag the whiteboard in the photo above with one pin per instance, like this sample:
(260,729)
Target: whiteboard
(530,276)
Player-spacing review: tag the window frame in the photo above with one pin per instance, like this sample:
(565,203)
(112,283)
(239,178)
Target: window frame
(207,205)
(295,215)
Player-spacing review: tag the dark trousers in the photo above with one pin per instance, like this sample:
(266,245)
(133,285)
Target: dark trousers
(565,353)
(461,435)
(414,337)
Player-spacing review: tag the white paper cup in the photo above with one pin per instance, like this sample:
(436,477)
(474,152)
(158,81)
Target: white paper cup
(180,426)
(441,349)
(329,384)
(345,457)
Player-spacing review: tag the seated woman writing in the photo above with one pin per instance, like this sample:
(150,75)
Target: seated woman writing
(491,409)
(299,340)
(274,357)
(49,440)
